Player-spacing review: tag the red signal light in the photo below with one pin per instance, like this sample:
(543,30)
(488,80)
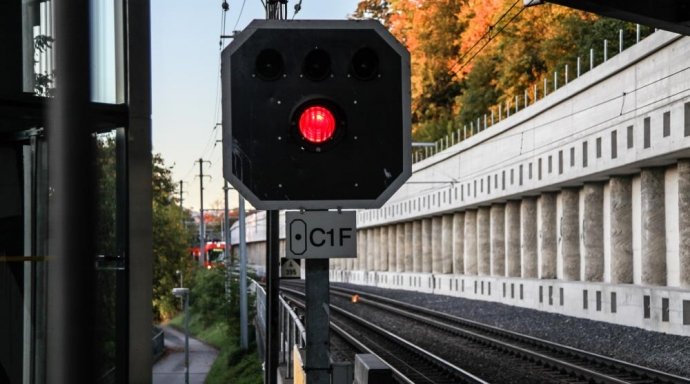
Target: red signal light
(316,124)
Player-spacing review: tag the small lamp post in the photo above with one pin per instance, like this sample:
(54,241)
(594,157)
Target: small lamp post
(184,293)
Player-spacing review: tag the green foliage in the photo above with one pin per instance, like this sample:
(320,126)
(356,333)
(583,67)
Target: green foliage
(220,327)
(462,67)
(208,298)
(169,241)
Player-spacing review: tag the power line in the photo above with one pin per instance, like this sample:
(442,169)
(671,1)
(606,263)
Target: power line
(234,28)
(489,41)
(488,31)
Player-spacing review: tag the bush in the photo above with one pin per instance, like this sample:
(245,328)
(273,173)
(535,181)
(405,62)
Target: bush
(207,296)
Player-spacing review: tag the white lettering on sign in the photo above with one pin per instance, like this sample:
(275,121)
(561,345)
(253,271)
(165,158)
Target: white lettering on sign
(321,235)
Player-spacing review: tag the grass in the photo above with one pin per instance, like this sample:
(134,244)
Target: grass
(232,365)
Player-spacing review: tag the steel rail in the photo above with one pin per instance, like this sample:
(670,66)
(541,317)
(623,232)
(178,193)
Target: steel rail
(641,372)
(422,354)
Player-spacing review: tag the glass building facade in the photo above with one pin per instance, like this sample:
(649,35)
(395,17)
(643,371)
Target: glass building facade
(75,191)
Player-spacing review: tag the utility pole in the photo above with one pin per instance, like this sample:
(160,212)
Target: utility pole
(181,201)
(202,232)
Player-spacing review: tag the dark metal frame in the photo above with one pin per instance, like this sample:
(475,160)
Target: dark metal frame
(69,126)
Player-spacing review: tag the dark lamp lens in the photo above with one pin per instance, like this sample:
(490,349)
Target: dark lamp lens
(316,124)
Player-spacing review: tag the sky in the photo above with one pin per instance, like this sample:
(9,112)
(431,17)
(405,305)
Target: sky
(186,84)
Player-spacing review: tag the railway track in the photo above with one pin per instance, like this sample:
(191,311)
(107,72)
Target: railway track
(566,363)
(410,363)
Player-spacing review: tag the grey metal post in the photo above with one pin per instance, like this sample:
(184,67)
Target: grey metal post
(578,67)
(566,74)
(555,80)
(226,224)
(244,338)
(606,49)
(181,200)
(517,102)
(186,338)
(318,344)
(535,94)
(526,98)
(545,89)
(620,40)
(637,33)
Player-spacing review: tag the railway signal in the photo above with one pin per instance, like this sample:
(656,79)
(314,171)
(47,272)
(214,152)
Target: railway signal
(316,114)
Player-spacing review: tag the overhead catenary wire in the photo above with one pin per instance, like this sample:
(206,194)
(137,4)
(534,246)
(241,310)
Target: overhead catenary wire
(488,41)
(239,16)
(547,147)
(479,40)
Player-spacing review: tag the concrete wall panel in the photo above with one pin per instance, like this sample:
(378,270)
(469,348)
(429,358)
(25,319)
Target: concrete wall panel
(471,242)
(483,242)
(547,234)
(621,230)
(458,243)
(593,231)
(684,222)
(498,240)
(653,227)
(512,230)
(447,244)
(570,234)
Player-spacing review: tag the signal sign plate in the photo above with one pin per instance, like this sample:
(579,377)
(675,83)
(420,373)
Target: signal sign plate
(289,268)
(320,235)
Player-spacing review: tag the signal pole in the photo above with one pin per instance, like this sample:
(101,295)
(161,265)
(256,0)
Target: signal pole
(202,232)
(274,11)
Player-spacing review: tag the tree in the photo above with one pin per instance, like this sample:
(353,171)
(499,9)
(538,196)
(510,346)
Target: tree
(169,240)
(462,66)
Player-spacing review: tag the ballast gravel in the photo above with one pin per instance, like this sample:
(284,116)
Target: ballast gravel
(664,352)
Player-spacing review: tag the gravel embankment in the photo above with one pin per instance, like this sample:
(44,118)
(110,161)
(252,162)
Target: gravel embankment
(668,353)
